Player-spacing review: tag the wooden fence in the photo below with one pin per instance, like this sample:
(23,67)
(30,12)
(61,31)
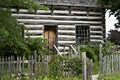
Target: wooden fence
(110,64)
(45,65)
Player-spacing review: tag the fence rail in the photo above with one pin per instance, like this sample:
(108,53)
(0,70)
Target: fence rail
(45,65)
(110,64)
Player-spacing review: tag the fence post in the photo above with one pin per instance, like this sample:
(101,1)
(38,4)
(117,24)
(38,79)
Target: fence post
(84,66)
(23,59)
(35,59)
(2,66)
(100,59)
(79,51)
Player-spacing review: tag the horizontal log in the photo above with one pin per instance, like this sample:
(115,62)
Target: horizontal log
(34,36)
(35,26)
(33,31)
(85,13)
(66,31)
(96,37)
(91,26)
(66,42)
(66,27)
(61,11)
(29,21)
(61,47)
(95,31)
(66,36)
(56,17)
(96,40)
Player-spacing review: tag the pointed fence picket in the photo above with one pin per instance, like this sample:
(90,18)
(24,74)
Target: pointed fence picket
(39,65)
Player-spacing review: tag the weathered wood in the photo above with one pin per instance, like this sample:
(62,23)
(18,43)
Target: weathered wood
(9,65)
(29,67)
(110,64)
(100,58)
(23,59)
(35,60)
(37,66)
(62,15)
(2,72)
(84,66)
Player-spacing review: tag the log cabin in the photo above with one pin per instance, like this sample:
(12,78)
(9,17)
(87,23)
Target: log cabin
(67,22)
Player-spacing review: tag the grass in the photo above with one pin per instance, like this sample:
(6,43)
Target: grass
(110,77)
(9,77)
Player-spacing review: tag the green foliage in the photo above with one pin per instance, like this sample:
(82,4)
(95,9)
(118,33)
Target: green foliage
(54,66)
(109,77)
(6,77)
(11,41)
(114,7)
(108,48)
(92,51)
(36,44)
(31,5)
(76,63)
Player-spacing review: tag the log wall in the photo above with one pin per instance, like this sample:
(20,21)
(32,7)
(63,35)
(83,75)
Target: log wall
(65,18)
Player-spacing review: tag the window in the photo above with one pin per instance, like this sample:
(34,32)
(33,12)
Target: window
(82,34)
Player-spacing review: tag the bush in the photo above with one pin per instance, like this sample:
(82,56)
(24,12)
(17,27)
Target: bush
(109,77)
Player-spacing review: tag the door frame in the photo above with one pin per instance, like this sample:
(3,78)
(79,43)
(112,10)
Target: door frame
(56,37)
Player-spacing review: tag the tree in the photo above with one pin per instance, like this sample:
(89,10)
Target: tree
(114,6)
(11,41)
(114,36)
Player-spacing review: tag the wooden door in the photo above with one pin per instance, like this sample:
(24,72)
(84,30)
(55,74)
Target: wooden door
(50,35)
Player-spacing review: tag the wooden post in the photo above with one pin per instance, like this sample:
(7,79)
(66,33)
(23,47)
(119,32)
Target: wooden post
(35,59)
(9,67)
(38,71)
(29,69)
(23,59)
(2,66)
(118,62)
(84,66)
(32,63)
(112,63)
(91,68)
(100,59)
(79,51)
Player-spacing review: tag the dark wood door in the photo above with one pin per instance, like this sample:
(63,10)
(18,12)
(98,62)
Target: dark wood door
(50,35)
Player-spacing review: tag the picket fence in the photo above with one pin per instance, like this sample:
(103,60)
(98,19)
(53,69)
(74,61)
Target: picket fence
(110,64)
(39,65)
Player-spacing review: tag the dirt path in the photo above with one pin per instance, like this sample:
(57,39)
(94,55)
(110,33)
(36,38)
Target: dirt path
(94,77)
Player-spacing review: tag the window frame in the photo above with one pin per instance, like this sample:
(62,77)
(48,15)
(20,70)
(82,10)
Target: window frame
(76,33)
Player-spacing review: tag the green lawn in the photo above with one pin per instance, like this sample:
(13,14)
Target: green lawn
(110,77)
(8,77)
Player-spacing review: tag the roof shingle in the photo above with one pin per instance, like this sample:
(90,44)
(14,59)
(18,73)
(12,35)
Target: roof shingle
(71,2)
